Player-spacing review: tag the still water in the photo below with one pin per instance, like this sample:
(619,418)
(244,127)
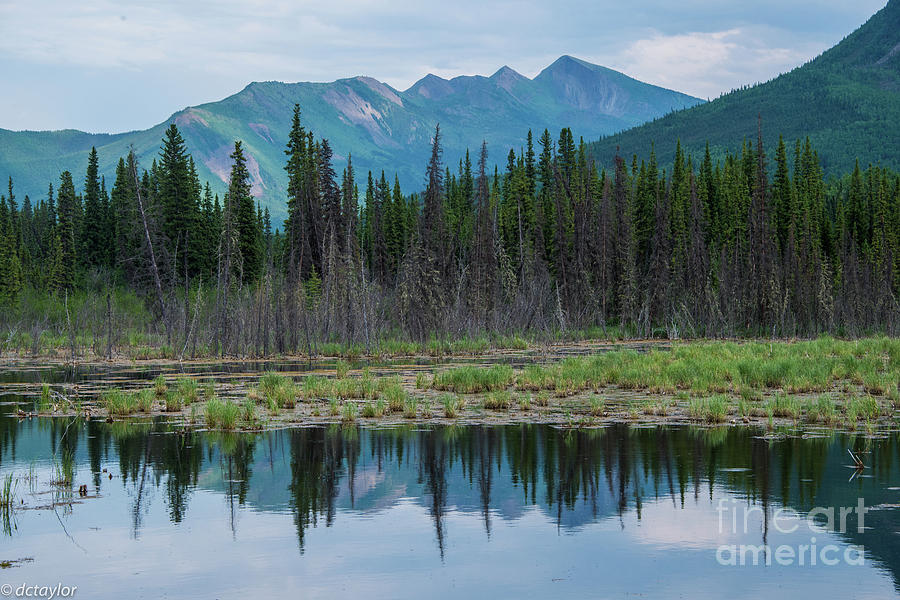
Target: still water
(508,511)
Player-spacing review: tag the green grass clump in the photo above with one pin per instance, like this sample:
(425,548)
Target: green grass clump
(160,387)
(783,405)
(221,414)
(341,368)
(822,410)
(272,380)
(524,402)
(863,407)
(173,401)
(498,400)
(348,414)
(713,409)
(45,400)
(278,389)
(334,407)
(542,399)
(187,389)
(118,402)
(145,399)
(316,387)
(411,407)
(474,380)
(373,409)
(453,404)
(596,406)
(248,412)
(394,394)
(421,381)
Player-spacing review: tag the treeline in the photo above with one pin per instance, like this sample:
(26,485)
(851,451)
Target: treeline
(747,245)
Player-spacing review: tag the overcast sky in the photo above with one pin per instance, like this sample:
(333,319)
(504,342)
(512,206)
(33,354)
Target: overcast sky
(102,65)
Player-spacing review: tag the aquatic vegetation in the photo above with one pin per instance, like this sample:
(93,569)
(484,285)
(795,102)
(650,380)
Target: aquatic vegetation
(334,407)
(784,405)
(864,407)
(118,402)
(348,413)
(421,381)
(822,410)
(221,414)
(160,386)
(712,409)
(187,389)
(248,412)
(374,409)
(145,399)
(316,387)
(524,402)
(596,406)
(501,400)
(45,402)
(394,394)
(173,401)
(411,407)
(473,380)
(452,404)
(341,368)
(542,399)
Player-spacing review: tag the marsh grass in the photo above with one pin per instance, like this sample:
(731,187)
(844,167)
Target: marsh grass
(474,380)
(453,405)
(160,387)
(118,402)
(187,389)
(497,400)
(863,407)
(373,409)
(348,413)
(784,405)
(145,399)
(45,401)
(394,394)
(542,399)
(411,407)
(341,368)
(822,410)
(524,402)
(222,414)
(596,406)
(421,381)
(316,387)
(173,401)
(715,367)
(248,412)
(712,409)
(334,407)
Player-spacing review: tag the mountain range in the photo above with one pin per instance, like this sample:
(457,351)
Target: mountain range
(847,100)
(382,127)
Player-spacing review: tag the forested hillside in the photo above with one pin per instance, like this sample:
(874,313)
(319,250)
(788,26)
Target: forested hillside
(751,244)
(847,101)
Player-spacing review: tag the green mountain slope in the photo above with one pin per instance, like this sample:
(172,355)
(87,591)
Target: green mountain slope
(847,101)
(383,128)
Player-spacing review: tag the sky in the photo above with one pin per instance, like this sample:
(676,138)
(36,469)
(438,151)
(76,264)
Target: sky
(112,66)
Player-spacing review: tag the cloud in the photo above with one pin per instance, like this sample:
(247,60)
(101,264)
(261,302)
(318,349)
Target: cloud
(143,60)
(706,64)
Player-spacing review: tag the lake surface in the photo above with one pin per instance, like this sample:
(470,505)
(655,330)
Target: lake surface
(508,511)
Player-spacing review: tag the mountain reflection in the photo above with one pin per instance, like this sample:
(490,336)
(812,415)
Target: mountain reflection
(573,477)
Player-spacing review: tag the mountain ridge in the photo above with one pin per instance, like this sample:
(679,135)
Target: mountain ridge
(383,128)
